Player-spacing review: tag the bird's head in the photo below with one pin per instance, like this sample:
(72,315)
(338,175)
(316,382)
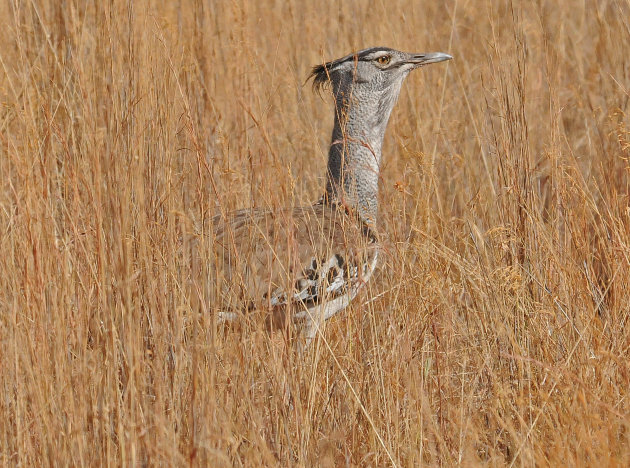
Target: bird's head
(377,71)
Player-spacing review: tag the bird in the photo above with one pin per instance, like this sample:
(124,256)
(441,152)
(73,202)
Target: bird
(303,265)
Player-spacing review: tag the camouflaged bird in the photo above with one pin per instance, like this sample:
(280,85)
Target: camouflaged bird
(308,263)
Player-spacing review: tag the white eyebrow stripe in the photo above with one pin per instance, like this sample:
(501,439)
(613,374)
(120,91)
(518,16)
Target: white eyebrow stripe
(379,54)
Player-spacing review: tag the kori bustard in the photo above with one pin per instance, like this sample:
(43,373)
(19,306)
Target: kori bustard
(305,264)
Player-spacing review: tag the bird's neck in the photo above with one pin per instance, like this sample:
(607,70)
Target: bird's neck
(354,158)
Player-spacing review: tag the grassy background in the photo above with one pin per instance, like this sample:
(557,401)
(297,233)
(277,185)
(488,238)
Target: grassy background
(496,328)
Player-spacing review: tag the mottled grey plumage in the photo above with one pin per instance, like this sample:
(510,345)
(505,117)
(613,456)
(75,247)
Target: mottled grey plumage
(308,263)
(365,92)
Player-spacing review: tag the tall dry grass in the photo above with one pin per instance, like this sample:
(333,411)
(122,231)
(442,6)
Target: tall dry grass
(496,329)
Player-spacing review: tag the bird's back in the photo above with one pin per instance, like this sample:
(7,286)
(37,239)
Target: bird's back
(291,261)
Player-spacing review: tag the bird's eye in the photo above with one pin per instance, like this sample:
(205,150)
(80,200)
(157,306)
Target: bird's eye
(384,59)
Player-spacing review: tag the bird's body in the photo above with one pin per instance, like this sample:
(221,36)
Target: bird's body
(308,263)
(298,263)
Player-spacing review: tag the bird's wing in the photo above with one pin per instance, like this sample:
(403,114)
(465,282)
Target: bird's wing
(289,261)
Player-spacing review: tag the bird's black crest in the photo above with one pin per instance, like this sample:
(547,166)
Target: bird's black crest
(321,75)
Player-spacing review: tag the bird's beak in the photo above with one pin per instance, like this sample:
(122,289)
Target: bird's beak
(419,60)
